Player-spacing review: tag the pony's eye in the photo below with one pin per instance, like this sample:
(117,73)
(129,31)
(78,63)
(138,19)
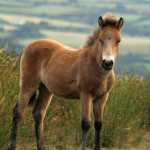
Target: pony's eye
(118,41)
(101,41)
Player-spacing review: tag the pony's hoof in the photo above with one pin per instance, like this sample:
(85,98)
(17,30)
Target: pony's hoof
(41,145)
(11,146)
(97,148)
(42,148)
(83,148)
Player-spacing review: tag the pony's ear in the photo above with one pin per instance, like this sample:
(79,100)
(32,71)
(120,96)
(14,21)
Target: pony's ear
(120,23)
(100,22)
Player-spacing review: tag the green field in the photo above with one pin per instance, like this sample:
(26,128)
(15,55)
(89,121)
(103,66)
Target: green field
(126,115)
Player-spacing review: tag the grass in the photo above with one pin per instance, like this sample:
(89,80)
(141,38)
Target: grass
(126,115)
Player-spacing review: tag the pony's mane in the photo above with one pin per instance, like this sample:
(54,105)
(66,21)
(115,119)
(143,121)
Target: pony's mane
(109,20)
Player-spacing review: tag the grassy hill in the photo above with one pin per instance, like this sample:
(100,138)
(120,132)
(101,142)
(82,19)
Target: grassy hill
(126,115)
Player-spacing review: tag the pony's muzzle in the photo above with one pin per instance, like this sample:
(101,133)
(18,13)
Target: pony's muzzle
(107,64)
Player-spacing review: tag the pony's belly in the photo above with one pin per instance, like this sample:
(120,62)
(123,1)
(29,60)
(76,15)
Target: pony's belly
(63,89)
(70,96)
(67,94)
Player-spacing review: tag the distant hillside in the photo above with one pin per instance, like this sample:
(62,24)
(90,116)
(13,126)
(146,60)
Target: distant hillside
(70,21)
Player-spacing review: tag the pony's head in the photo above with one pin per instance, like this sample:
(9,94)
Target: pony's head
(109,39)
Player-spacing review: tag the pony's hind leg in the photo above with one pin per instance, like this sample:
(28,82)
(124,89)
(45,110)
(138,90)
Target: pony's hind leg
(25,94)
(39,111)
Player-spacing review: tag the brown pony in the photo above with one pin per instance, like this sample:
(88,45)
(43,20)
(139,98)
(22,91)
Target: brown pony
(54,68)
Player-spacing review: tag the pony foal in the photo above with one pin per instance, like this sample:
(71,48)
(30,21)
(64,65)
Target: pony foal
(54,68)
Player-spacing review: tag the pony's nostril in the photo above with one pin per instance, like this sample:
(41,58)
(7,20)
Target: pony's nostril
(111,62)
(107,64)
(103,60)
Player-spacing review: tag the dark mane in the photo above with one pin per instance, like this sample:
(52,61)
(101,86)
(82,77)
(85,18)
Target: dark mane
(109,20)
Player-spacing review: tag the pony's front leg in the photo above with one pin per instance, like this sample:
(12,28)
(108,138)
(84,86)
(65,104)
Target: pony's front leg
(86,100)
(98,107)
